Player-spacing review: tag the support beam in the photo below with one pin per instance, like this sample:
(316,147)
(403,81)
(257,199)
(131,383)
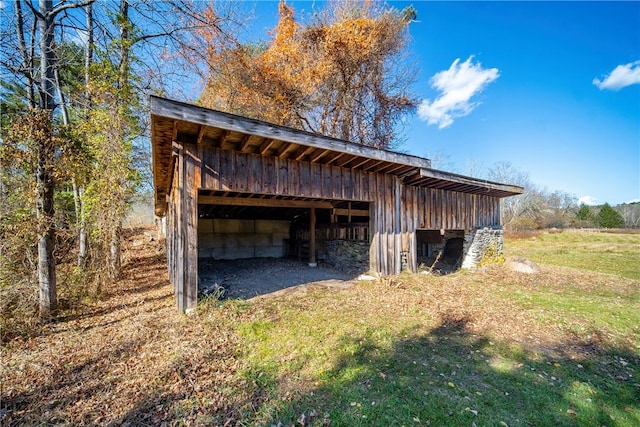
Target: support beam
(318,156)
(245,142)
(354,212)
(268,143)
(201,130)
(284,149)
(273,203)
(303,152)
(312,238)
(334,158)
(359,162)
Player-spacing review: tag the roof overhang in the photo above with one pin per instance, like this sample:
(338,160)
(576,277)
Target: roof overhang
(173,122)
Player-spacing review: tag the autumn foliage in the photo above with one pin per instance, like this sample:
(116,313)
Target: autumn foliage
(344,74)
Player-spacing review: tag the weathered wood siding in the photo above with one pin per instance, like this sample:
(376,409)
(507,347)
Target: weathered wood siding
(182,227)
(396,211)
(433,209)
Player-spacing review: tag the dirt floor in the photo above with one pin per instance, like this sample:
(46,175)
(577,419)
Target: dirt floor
(248,278)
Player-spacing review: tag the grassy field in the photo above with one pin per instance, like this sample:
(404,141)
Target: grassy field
(488,347)
(611,253)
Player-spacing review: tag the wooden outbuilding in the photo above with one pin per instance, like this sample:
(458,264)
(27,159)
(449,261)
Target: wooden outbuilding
(227,183)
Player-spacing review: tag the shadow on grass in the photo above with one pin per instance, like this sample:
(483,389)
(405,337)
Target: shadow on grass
(451,376)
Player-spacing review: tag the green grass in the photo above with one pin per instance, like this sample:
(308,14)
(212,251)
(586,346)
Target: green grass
(611,253)
(561,348)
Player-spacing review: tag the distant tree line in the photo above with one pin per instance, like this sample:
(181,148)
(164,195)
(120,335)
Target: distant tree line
(539,208)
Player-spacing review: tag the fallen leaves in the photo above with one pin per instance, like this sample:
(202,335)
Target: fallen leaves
(130,358)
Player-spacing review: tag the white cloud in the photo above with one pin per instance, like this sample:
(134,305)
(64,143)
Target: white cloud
(587,200)
(458,85)
(621,76)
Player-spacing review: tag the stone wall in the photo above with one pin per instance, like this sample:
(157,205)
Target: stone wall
(346,255)
(242,238)
(483,244)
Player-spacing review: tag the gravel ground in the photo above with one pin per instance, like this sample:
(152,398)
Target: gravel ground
(247,278)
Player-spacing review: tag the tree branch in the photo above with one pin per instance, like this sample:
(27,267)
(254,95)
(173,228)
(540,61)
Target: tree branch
(62,7)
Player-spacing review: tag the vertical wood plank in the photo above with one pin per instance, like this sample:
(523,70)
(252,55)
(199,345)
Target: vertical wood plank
(283,177)
(316,180)
(241,175)
(268,166)
(374,207)
(179,250)
(312,237)
(294,176)
(305,179)
(365,183)
(191,175)
(337,183)
(347,185)
(387,202)
(397,221)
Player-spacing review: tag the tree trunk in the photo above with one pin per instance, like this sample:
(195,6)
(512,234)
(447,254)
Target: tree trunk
(115,262)
(78,194)
(78,190)
(88,55)
(46,237)
(123,67)
(123,80)
(44,176)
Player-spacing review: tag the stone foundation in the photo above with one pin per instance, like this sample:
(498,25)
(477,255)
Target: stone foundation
(482,245)
(347,255)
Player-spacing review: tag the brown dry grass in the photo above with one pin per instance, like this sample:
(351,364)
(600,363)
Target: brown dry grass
(127,359)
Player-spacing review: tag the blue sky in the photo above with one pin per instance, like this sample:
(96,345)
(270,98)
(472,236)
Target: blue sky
(551,87)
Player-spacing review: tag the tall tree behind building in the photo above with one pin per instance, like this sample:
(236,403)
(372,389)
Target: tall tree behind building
(346,74)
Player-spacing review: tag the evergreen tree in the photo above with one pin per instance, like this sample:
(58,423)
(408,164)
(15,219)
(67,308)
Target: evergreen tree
(609,217)
(584,213)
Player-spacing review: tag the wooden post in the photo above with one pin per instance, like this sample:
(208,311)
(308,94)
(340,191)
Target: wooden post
(397,225)
(191,179)
(179,284)
(312,238)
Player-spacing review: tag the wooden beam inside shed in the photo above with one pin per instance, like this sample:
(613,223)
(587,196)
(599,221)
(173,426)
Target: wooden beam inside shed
(352,212)
(274,203)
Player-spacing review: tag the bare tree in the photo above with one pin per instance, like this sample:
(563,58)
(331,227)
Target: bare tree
(45,16)
(513,208)
(630,213)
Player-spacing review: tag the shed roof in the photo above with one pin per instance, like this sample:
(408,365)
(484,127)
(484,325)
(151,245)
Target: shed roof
(177,121)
